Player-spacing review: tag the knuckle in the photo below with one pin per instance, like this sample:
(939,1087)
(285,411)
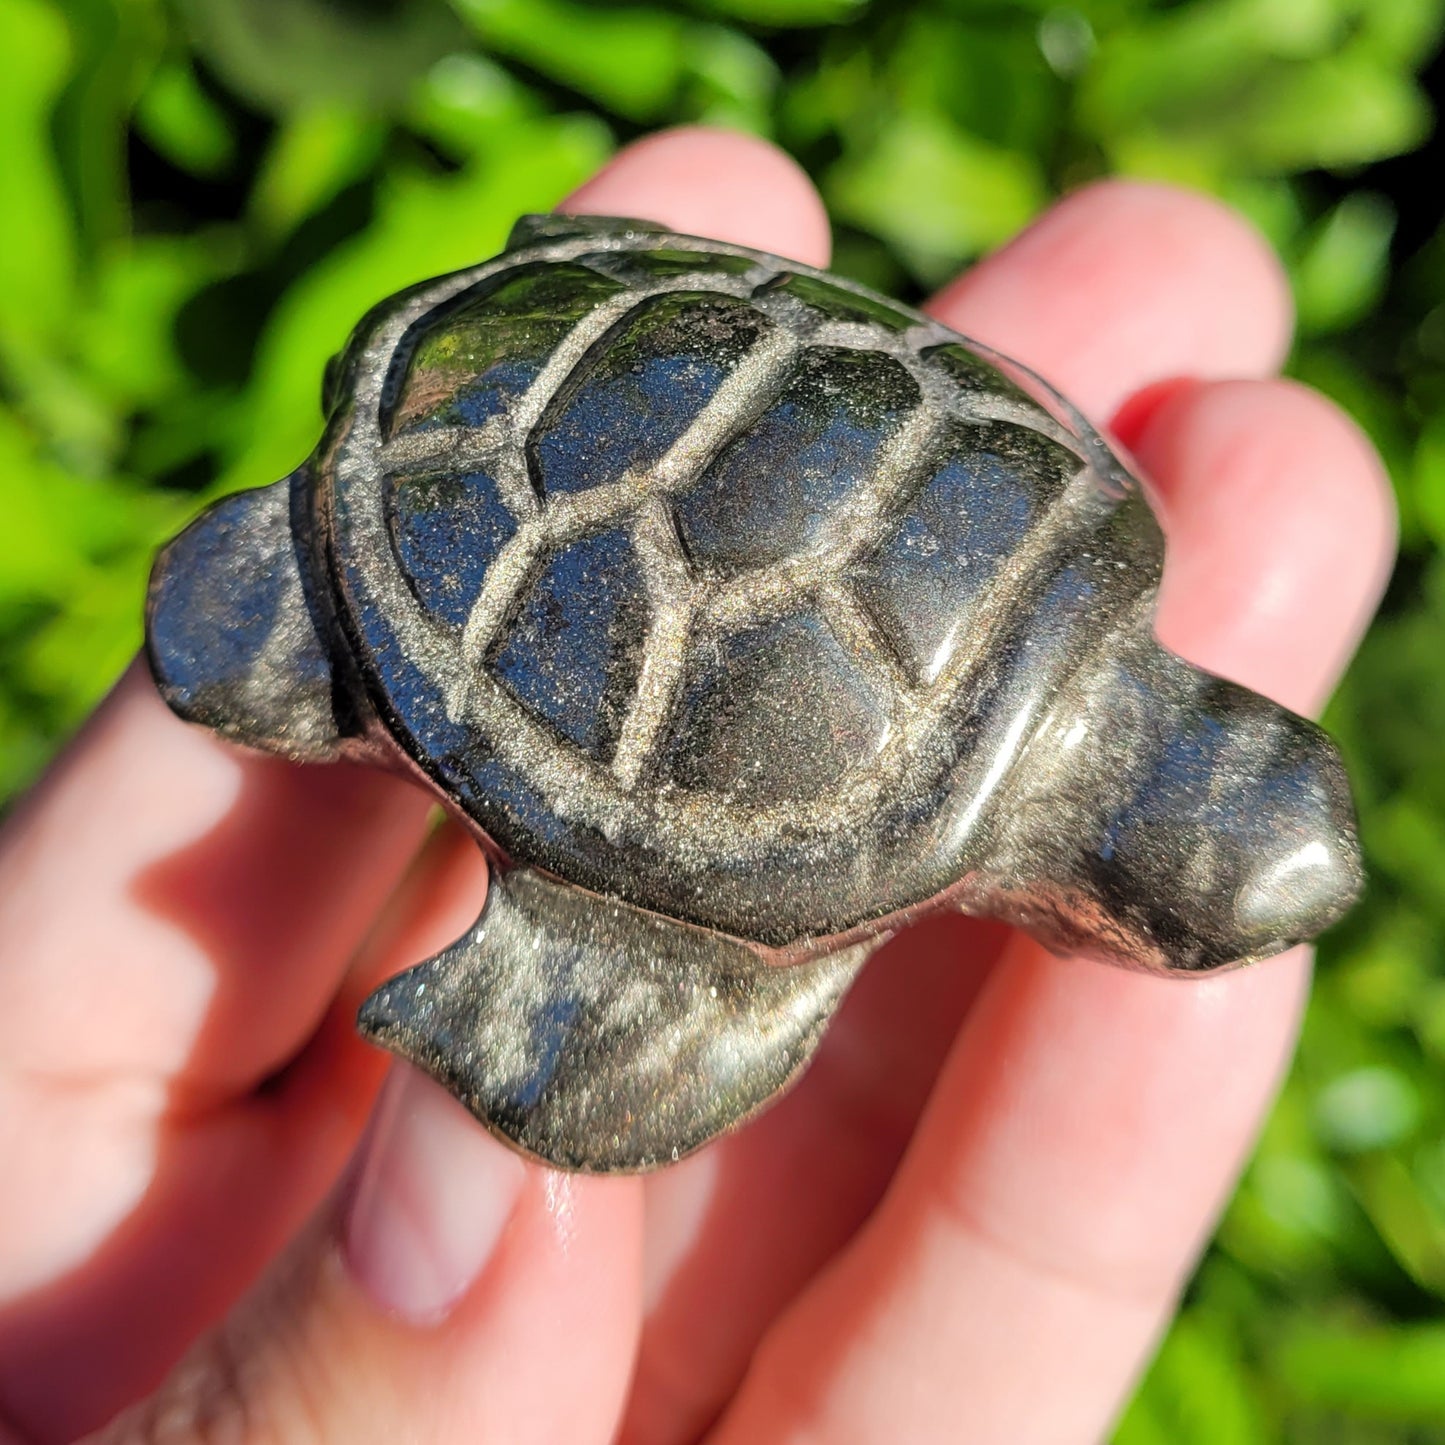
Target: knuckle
(204,1401)
(246,1383)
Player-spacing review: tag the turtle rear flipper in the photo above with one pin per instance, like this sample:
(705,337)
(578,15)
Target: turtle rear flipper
(232,631)
(602,1037)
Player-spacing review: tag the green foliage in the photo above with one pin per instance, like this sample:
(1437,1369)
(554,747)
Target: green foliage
(204,195)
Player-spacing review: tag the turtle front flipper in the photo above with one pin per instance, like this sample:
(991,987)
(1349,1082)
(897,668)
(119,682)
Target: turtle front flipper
(232,630)
(602,1037)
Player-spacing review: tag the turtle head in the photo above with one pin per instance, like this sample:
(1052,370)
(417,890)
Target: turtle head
(1171,820)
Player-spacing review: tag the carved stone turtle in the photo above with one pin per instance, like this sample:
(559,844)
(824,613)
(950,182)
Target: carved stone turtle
(743,615)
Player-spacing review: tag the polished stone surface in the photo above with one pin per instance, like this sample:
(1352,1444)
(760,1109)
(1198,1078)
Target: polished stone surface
(573,652)
(447,530)
(744,615)
(234,635)
(465,366)
(837,303)
(927,582)
(788,677)
(639,389)
(665,261)
(776,487)
(552,990)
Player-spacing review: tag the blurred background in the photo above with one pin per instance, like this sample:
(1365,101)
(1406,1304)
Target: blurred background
(201,197)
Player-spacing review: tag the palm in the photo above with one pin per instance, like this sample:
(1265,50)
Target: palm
(996,1174)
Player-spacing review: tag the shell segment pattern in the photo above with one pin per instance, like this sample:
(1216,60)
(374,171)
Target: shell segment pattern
(743,614)
(729,552)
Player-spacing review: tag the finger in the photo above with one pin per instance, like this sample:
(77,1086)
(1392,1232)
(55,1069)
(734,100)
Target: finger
(1124,284)
(175,914)
(1307,502)
(737,1230)
(1089,1121)
(714,183)
(1117,287)
(222,895)
(452,1293)
(230,1186)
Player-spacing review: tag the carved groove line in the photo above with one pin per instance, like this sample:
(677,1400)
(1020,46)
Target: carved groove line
(588,793)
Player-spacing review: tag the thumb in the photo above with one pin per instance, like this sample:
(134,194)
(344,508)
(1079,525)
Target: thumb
(434,1298)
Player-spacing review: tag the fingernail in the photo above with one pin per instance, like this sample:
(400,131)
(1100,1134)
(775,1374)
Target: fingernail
(431,1200)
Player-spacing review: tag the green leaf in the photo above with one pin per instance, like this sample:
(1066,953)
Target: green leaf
(315,152)
(1405,32)
(1257,87)
(1408,1221)
(117,44)
(1368,1108)
(1344,267)
(787,12)
(1383,978)
(183,123)
(734,81)
(629,60)
(1198,1392)
(1428,479)
(1396,1374)
(465,100)
(38,258)
(61,529)
(1335,113)
(1407,837)
(285,55)
(125,338)
(936,194)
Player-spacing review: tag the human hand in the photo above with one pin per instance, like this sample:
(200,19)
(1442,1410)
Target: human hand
(969,1221)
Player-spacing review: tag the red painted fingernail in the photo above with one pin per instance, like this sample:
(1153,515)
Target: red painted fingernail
(1140,409)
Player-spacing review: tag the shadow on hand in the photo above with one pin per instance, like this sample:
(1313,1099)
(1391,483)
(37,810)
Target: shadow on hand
(278,896)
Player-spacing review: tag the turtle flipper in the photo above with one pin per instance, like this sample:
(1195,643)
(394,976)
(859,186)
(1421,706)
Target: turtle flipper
(601,1037)
(231,629)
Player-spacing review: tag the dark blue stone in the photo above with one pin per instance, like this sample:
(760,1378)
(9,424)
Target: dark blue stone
(640,388)
(1173,788)
(772,490)
(506,802)
(447,531)
(574,651)
(774,712)
(480,354)
(450,750)
(216,584)
(929,579)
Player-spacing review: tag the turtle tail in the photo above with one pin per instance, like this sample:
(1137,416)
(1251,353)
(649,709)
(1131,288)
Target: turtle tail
(601,1037)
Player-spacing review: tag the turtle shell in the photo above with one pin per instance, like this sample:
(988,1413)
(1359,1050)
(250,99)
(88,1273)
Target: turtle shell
(701,578)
